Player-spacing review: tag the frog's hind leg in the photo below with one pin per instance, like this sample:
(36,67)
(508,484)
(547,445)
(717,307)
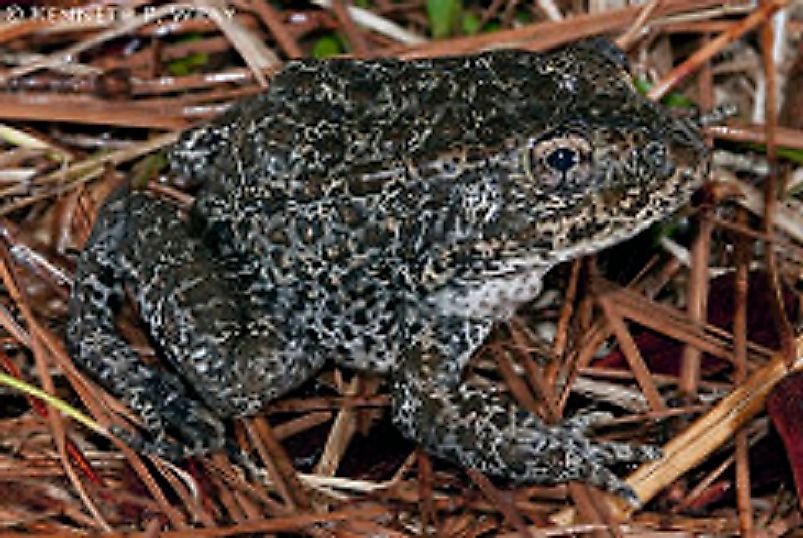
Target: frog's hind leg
(159,397)
(482,428)
(232,358)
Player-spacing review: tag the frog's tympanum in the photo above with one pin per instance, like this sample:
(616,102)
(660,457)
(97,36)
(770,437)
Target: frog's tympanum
(383,214)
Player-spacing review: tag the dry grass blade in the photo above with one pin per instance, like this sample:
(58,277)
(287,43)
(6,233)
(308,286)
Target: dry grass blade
(771,182)
(712,429)
(376,23)
(543,35)
(631,352)
(340,435)
(282,524)
(69,177)
(277,463)
(536,376)
(789,220)
(709,432)
(355,37)
(90,111)
(697,306)
(10,280)
(506,507)
(89,397)
(270,17)
(256,54)
(714,46)
(741,281)
(784,136)
(626,40)
(513,381)
(674,324)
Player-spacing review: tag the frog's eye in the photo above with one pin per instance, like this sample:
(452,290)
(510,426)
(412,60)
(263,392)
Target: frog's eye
(561,161)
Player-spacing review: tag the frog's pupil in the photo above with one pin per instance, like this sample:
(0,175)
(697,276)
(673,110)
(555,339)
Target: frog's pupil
(562,159)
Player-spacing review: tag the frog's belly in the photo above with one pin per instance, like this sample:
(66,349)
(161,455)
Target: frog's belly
(491,299)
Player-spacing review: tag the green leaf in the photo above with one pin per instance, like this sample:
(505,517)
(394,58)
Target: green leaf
(791,154)
(471,23)
(187,64)
(672,99)
(147,167)
(328,45)
(523,16)
(491,26)
(443,16)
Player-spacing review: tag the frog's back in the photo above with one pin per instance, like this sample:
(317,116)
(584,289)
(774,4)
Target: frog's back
(325,118)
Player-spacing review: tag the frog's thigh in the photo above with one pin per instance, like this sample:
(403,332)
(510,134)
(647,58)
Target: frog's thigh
(159,396)
(232,359)
(231,352)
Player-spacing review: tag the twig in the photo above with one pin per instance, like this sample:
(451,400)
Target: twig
(377,24)
(697,305)
(740,291)
(707,433)
(712,47)
(256,55)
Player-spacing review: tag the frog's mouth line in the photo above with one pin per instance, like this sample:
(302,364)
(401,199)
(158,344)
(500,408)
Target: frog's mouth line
(661,203)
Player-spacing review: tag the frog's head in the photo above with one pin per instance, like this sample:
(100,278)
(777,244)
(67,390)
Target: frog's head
(605,164)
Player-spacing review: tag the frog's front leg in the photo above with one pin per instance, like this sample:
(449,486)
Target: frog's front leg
(230,355)
(485,430)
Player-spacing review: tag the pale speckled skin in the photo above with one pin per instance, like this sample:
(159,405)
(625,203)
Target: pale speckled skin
(383,214)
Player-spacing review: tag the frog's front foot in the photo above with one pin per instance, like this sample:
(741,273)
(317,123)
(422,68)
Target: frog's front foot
(485,430)
(178,426)
(527,450)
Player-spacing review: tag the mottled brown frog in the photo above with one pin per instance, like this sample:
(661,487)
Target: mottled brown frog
(383,214)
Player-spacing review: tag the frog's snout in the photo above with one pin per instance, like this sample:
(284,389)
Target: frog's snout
(687,145)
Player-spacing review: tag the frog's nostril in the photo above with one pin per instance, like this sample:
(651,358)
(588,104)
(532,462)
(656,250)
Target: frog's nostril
(655,153)
(656,156)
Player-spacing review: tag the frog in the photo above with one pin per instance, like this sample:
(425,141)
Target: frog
(384,214)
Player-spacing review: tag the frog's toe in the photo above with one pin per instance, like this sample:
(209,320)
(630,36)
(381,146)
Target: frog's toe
(601,477)
(195,427)
(548,462)
(179,426)
(613,452)
(609,452)
(162,447)
(584,422)
(559,454)
(482,429)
